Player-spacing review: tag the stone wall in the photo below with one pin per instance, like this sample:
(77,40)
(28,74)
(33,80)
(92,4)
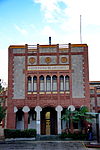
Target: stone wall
(18,50)
(19,77)
(47,49)
(77,49)
(77,76)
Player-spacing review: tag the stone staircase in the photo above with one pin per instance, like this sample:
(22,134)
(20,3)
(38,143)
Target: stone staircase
(48,138)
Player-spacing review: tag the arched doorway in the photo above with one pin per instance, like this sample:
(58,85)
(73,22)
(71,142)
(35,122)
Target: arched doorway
(48,121)
(20,119)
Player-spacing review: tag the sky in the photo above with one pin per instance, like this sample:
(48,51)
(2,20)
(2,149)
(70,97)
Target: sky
(33,21)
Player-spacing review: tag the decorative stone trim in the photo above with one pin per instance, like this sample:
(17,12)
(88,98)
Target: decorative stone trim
(47,60)
(64,59)
(31,60)
(26,109)
(15,109)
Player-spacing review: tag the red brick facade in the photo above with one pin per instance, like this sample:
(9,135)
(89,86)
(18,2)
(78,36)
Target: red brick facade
(62,58)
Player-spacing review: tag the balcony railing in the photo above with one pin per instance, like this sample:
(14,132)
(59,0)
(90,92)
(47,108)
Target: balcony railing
(63,48)
(32,48)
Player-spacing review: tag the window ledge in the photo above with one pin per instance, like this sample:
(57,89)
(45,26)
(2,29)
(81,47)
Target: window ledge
(48,92)
(41,92)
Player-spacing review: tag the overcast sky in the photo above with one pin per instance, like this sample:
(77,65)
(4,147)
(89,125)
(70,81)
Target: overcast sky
(33,21)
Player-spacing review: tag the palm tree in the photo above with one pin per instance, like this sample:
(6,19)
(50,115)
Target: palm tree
(77,116)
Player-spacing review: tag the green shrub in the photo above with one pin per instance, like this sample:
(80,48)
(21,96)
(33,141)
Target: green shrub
(75,136)
(63,135)
(28,133)
(13,133)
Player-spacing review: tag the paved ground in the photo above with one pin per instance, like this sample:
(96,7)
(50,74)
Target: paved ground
(43,145)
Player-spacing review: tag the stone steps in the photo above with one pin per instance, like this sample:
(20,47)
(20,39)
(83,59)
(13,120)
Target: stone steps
(48,137)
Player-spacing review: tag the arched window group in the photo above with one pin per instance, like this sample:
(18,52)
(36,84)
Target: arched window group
(48,83)
(42,86)
(64,83)
(32,84)
(54,83)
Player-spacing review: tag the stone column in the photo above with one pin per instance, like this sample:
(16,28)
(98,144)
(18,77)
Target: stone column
(64,84)
(59,109)
(15,111)
(45,83)
(32,84)
(51,85)
(26,109)
(38,109)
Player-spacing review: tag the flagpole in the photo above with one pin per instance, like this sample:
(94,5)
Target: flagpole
(80,29)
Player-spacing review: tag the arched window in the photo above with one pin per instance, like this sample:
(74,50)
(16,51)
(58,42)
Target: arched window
(41,83)
(61,83)
(29,83)
(54,83)
(67,83)
(48,83)
(34,83)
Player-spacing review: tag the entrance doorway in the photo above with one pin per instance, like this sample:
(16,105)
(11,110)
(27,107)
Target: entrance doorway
(48,121)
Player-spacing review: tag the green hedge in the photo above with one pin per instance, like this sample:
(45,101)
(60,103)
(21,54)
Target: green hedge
(13,133)
(75,136)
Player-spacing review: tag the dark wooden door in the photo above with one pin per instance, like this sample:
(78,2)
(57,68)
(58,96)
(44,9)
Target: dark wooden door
(47,122)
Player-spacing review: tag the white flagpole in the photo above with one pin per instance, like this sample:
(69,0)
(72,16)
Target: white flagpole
(80,29)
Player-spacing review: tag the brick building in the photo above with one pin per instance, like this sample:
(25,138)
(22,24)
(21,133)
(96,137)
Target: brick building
(95,106)
(95,96)
(43,80)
